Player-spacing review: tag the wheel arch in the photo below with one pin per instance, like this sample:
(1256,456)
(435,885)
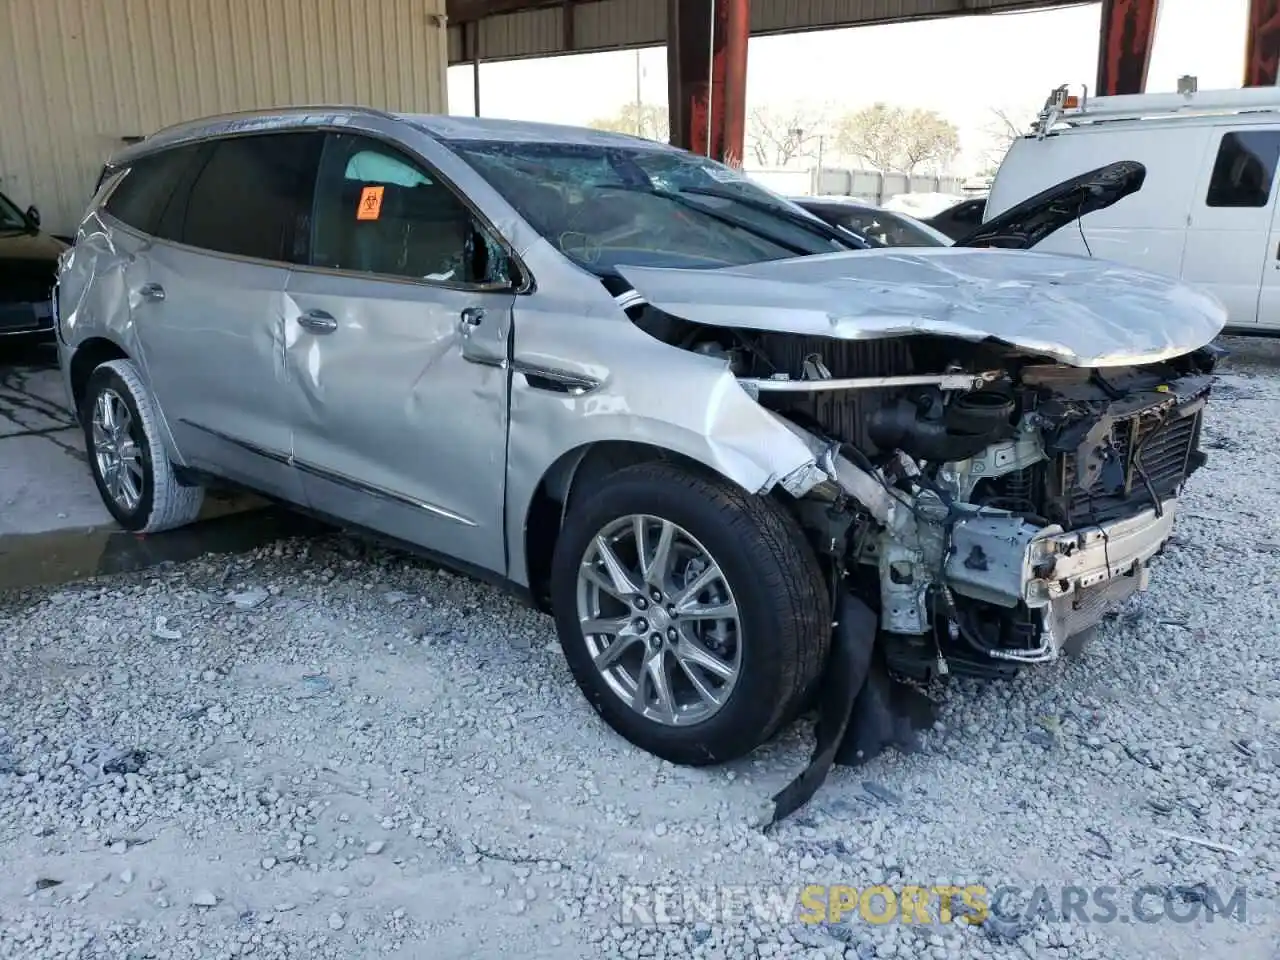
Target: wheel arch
(88,356)
(572,474)
(91,353)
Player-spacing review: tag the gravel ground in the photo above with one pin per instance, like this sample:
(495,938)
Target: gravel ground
(328,750)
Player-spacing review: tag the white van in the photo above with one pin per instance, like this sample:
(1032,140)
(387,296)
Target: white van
(1207,212)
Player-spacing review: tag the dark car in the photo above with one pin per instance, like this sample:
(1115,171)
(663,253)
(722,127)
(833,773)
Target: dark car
(28,268)
(877,227)
(960,220)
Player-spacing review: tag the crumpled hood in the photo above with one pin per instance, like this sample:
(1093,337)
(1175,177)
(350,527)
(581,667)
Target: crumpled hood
(1080,311)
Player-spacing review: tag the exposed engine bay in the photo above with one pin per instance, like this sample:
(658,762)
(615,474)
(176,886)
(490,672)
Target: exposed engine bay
(983,508)
(991,505)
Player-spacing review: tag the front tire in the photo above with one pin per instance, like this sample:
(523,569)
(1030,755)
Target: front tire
(127,457)
(692,615)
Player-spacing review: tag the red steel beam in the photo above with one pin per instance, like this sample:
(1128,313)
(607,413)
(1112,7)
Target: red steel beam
(1262,52)
(1124,47)
(707,76)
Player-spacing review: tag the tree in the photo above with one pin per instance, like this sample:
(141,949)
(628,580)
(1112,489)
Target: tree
(929,139)
(777,135)
(898,139)
(872,135)
(1003,130)
(645,120)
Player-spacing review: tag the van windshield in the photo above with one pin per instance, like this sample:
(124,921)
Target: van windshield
(602,206)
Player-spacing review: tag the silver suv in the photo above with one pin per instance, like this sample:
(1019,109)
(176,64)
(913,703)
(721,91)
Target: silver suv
(686,417)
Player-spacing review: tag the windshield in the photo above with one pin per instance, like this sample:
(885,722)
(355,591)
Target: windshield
(892,229)
(11,218)
(604,205)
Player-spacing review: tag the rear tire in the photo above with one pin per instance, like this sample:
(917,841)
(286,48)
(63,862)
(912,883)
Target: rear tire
(760,566)
(129,463)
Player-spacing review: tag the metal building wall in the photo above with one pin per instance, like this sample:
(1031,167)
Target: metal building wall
(78,76)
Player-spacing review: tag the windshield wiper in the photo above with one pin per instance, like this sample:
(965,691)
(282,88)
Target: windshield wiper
(725,218)
(812,224)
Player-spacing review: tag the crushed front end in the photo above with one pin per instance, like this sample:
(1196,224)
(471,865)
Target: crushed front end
(988,505)
(998,438)
(975,519)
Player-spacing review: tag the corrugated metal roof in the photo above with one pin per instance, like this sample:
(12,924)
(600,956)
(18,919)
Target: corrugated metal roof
(598,25)
(533,33)
(788,16)
(76,76)
(607,24)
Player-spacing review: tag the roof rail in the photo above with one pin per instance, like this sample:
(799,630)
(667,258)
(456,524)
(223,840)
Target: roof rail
(291,110)
(1063,107)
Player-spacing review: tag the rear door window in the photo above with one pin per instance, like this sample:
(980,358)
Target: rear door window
(140,197)
(1244,169)
(251,197)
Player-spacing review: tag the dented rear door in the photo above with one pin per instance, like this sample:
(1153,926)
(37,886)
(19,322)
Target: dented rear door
(209,307)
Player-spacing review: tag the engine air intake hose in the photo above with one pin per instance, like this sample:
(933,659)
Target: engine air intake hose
(925,428)
(986,412)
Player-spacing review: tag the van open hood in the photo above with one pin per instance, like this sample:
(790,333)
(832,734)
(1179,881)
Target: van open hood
(1080,311)
(1025,224)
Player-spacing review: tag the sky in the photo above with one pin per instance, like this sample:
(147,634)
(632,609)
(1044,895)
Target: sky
(964,68)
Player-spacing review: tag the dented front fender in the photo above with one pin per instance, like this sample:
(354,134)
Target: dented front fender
(635,389)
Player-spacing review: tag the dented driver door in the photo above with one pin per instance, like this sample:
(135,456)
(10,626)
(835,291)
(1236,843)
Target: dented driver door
(398,350)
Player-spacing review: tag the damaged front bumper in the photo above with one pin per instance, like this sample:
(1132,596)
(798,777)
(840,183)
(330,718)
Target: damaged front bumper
(1071,577)
(936,560)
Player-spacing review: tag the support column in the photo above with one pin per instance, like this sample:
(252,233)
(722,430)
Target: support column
(1262,52)
(1124,47)
(475,61)
(707,76)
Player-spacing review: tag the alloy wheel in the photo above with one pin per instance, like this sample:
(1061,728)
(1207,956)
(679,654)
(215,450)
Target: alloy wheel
(117,451)
(660,620)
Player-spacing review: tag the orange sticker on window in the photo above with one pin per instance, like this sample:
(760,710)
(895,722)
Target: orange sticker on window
(370,203)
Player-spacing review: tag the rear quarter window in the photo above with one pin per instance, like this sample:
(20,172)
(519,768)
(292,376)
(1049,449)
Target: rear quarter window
(139,199)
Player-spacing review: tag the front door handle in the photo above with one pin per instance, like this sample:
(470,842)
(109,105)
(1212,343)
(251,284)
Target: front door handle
(318,321)
(151,291)
(472,316)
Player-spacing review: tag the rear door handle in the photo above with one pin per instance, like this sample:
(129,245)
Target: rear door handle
(318,321)
(151,291)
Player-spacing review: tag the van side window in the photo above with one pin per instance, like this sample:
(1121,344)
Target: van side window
(1245,169)
(380,211)
(139,199)
(252,198)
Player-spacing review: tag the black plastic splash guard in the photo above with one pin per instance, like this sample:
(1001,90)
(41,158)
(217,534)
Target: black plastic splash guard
(862,709)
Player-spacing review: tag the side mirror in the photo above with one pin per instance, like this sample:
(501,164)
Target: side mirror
(33,214)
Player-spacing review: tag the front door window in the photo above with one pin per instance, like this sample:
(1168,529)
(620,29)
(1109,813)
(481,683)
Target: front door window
(379,212)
